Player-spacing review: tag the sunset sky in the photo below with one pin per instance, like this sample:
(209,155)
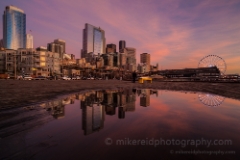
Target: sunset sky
(177,33)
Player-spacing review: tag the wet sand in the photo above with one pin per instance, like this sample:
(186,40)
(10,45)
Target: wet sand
(16,93)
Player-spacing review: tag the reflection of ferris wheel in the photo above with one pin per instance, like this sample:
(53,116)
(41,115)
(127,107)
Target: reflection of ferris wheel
(213,60)
(210,100)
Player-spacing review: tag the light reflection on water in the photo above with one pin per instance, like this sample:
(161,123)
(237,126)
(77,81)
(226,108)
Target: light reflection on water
(80,124)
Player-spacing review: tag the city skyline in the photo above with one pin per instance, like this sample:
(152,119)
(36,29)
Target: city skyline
(177,34)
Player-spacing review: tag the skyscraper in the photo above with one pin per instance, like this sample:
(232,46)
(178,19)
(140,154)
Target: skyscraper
(29,41)
(58,46)
(61,42)
(130,58)
(1,43)
(14,28)
(93,42)
(122,45)
(145,60)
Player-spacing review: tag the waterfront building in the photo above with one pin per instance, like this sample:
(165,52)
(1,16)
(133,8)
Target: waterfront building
(14,28)
(145,60)
(122,59)
(69,65)
(191,72)
(93,42)
(111,48)
(7,59)
(142,68)
(29,41)
(111,60)
(58,46)
(29,61)
(41,48)
(130,54)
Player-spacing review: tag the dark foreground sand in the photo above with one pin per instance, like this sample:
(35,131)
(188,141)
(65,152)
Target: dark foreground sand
(15,93)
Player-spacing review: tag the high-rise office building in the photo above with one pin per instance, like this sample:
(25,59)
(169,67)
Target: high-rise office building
(29,41)
(122,45)
(93,42)
(111,48)
(14,28)
(122,59)
(58,46)
(61,42)
(1,44)
(145,60)
(130,58)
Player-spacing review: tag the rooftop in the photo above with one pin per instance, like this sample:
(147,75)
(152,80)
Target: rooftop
(15,8)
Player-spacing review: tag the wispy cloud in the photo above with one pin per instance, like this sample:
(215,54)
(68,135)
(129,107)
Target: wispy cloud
(175,33)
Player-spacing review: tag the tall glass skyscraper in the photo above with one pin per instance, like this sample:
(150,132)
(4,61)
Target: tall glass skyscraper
(93,42)
(14,28)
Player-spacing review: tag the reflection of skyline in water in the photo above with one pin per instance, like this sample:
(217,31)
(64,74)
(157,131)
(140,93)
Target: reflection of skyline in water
(96,104)
(116,114)
(210,100)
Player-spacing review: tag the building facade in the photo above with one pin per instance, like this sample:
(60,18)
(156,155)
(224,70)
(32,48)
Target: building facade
(14,28)
(29,41)
(111,48)
(130,58)
(93,42)
(145,61)
(58,46)
(122,45)
(29,61)
(1,43)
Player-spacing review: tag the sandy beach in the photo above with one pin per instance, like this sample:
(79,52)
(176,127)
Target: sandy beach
(17,93)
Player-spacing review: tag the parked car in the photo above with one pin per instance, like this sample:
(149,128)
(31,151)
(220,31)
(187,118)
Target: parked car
(74,78)
(27,77)
(66,78)
(78,78)
(19,77)
(4,76)
(51,77)
(90,78)
(40,78)
(98,78)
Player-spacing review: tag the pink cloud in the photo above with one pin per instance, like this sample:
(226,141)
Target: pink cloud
(176,34)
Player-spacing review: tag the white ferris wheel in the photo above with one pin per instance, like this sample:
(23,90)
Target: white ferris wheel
(213,60)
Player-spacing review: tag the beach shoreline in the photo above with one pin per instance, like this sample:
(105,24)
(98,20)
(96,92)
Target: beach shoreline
(17,93)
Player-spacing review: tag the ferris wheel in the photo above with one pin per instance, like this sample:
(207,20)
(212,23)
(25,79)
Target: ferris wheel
(213,60)
(210,100)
